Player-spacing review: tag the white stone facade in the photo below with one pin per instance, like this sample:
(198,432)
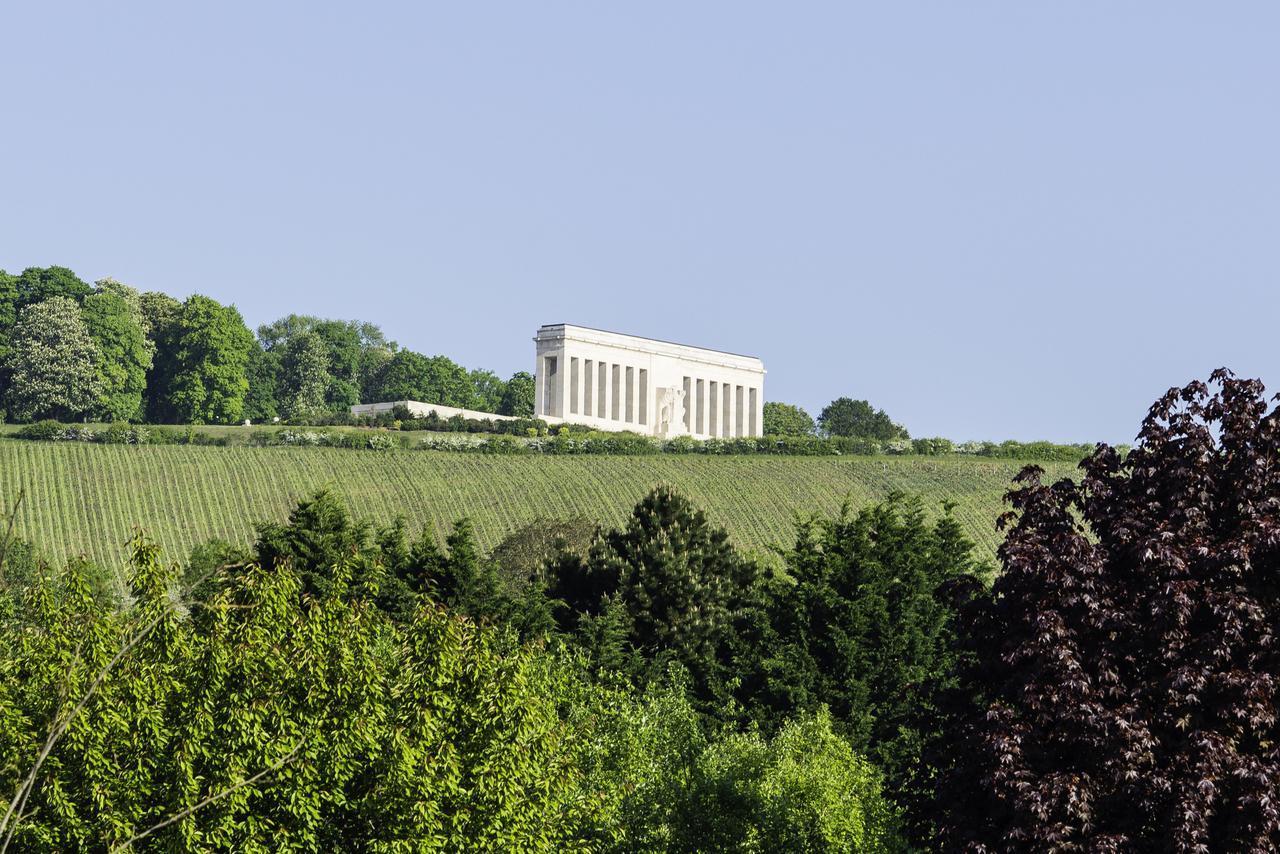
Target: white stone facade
(612,381)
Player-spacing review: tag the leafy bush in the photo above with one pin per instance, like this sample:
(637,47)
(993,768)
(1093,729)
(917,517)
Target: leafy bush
(677,789)
(47,430)
(281,722)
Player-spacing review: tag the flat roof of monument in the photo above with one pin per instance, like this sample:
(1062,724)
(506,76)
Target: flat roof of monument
(644,338)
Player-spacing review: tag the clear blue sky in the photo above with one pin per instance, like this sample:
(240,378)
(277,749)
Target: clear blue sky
(994,220)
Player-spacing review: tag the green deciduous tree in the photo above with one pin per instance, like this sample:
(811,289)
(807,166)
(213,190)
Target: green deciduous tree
(211,349)
(160,314)
(518,395)
(52,363)
(784,419)
(487,390)
(355,350)
(8,316)
(124,353)
(858,418)
(37,284)
(260,403)
(412,376)
(678,789)
(258,718)
(304,377)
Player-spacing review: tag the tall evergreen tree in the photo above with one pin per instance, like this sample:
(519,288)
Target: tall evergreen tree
(52,363)
(682,585)
(865,627)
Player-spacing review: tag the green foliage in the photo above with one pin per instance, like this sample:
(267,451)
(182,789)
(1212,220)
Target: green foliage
(518,396)
(487,391)
(350,348)
(210,355)
(683,589)
(123,352)
(412,376)
(858,419)
(160,314)
(304,377)
(865,628)
(784,419)
(8,316)
(37,284)
(260,402)
(52,363)
(260,719)
(679,790)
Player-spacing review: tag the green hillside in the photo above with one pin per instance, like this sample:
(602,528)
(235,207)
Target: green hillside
(85,498)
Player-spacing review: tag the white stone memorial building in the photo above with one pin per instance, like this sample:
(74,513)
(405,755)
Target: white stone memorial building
(612,381)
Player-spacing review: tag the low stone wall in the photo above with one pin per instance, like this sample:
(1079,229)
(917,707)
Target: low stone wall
(421,410)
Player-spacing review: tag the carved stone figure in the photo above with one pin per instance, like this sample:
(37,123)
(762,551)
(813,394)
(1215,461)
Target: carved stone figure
(670,411)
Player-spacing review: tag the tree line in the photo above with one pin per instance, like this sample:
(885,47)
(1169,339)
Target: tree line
(71,351)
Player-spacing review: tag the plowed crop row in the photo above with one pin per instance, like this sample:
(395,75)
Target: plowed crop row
(87,499)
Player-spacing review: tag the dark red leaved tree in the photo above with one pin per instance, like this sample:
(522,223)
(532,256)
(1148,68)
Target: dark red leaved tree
(1122,674)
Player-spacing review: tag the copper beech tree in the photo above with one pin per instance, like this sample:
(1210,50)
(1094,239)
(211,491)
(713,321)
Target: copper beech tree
(1123,669)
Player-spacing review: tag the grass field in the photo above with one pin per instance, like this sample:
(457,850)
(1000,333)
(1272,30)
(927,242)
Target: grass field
(86,498)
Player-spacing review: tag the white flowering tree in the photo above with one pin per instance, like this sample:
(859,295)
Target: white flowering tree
(52,363)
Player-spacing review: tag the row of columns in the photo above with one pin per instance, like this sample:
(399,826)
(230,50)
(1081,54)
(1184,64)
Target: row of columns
(720,409)
(607,390)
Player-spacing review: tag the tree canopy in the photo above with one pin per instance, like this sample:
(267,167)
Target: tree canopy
(52,363)
(1123,689)
(859,419)
(124,354)
(784,419)
(211,347)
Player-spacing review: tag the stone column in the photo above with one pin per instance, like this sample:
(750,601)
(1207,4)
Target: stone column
(539,379)
(562,385)
(738,411)
(606,383)
(726,410)
(691,403)
(713,404)
(633,396)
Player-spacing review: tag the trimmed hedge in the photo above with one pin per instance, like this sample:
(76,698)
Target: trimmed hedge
(566,440)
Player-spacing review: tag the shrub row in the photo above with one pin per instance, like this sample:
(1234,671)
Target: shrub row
(567,440)
(119,433)
(400,418)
